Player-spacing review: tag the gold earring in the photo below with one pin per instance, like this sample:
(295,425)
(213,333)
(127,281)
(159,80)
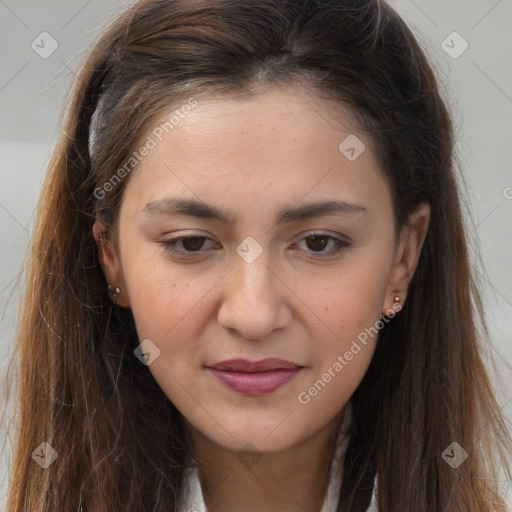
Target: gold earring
(396,300)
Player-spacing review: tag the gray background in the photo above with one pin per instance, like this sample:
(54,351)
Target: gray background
(478,85)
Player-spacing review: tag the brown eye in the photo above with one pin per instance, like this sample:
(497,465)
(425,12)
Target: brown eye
(184,245)
(318,242)
(193,243)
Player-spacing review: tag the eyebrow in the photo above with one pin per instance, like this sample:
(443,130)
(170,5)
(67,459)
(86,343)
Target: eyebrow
(202,210)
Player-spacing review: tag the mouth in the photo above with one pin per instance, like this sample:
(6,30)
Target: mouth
(254,378)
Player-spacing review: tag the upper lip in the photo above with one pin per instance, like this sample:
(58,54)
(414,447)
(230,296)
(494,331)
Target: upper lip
(264,365)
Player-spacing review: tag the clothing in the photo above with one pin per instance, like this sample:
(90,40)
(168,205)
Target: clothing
(194,496)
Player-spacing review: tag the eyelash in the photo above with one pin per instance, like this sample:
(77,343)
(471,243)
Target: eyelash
(170,245)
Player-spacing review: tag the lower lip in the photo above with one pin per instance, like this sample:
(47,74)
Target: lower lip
(254,384)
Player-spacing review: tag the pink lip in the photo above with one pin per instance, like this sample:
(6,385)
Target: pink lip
(254,378)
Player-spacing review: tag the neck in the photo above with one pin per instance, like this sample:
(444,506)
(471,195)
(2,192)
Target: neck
(293,480)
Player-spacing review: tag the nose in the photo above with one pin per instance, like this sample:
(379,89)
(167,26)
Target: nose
(254,299)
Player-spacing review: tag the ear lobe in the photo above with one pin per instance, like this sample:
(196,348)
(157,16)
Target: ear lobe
(412,237)
(109,262)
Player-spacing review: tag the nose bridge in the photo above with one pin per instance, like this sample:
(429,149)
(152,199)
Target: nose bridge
(252,303)
(253,278)
(253,281)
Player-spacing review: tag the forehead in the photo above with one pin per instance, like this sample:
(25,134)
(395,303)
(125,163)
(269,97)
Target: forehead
(284,143)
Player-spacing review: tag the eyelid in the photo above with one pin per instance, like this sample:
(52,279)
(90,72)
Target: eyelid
(341,242)
(323,232)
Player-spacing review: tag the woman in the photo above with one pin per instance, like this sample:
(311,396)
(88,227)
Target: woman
(249,287)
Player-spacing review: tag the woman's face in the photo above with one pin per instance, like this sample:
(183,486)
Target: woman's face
(300,267)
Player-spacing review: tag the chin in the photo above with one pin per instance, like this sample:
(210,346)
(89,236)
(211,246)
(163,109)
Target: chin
(253,435)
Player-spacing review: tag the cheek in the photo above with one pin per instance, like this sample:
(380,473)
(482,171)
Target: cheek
(348,313)
(345,341)
(169,310)
(165,298)
(167,305)
(351,302)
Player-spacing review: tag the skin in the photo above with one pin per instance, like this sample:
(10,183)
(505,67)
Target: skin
(254,156)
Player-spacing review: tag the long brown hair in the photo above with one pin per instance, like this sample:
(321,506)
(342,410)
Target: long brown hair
(120,441)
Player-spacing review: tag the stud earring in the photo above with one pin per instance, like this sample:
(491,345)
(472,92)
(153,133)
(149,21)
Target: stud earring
(113,293)
(396,307)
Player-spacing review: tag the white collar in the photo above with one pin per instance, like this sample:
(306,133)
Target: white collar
(194,496)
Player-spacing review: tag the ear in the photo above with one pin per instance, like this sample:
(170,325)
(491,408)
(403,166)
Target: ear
(110,264)
(407,256)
